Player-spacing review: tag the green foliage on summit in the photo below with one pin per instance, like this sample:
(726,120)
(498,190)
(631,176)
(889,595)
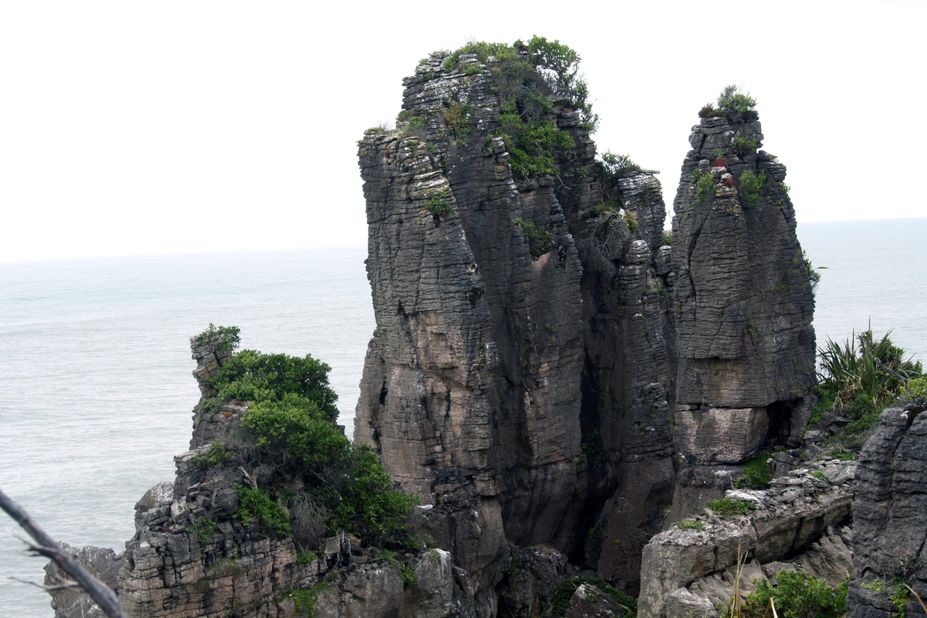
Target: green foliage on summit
(307,479)
(529,77)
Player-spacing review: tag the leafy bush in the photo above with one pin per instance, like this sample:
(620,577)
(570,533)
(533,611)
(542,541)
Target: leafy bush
(704,188)
(736,106)
(256,506)
(288,438)
(539,241)
(439,204)
(744,145)
(528,77)
(796,596)
(751,185)
(814,275)
(252,376)
(861,376)
(616,164)
(213,457)
(222,338)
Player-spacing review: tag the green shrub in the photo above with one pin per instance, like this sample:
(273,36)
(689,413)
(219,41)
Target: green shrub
(439,204)
(457,119)
(539,241)
(751,185)
(617,164)
(814,276)
(222,338)
(252,376)
(212,457)
(744,145)
(204,528)
(861,376)
(288,437)
(726,507)
(528,77)
(690,524)
(704,188)
(256,506)
(305,598)
(736,106)
(796,596)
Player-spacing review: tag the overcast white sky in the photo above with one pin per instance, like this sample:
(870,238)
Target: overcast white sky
(197,125)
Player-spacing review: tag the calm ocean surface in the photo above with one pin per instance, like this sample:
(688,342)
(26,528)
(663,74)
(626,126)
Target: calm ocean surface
(96,395)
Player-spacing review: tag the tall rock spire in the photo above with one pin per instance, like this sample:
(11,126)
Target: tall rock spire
(743,301)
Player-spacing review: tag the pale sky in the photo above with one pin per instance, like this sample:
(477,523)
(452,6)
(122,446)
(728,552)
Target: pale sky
(198,125)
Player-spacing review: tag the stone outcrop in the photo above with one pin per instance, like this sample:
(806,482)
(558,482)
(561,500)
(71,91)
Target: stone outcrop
(796,524)
(743,302)
(890,518)
(193,556)
(549,374)
(522,384)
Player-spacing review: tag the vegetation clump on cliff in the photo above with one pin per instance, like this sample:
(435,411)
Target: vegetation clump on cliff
(530,77)
(307,479)
(860,377)
(733,104)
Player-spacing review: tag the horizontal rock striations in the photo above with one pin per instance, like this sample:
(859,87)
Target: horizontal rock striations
(890,519)
(792,525)
(743,302)
(518,370)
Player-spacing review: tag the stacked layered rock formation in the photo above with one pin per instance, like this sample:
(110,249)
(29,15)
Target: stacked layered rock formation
(192,556)
(796,524)
(537,338)
(743,300)
(890,518)
(515,383)
(742,308)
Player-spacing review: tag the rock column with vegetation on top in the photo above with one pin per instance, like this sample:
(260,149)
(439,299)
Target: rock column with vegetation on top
(516,377)
(743,301)
(273,513)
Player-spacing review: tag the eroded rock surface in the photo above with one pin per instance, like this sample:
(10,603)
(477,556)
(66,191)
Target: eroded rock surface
(521,383)
(890,518)
(797,524)
(743,302)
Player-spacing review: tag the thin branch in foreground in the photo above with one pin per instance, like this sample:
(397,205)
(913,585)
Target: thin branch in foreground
(65,584)
(102,594)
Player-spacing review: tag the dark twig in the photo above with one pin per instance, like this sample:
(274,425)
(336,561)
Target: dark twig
(98,591)
(65,584)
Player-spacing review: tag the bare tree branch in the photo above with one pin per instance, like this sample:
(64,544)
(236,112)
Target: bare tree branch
(47,546)
(65,584)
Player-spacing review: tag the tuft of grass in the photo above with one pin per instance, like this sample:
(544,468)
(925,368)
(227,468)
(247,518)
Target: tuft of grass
(757,473)
(690,524)
(727,508)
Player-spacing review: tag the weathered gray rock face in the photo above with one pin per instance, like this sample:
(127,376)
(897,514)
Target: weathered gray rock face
(526,389)
(743,302)
(797,521)
(104,564)
(890,517)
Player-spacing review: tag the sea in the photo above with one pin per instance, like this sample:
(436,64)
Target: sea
(96,391)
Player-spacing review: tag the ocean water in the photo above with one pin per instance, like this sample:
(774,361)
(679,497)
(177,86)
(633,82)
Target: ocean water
(96,395)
